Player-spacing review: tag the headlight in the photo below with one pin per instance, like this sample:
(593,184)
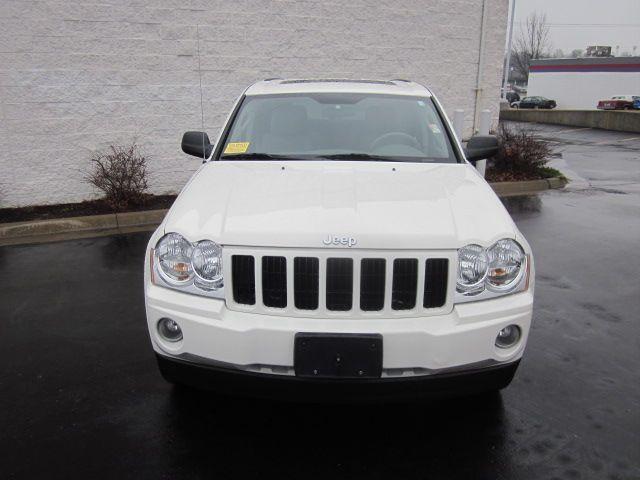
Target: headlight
(472,269)
(487,273)
(506,265)
(207,265)
(173,253)
(188,267)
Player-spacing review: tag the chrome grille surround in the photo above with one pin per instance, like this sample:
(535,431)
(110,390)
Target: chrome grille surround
(357,255)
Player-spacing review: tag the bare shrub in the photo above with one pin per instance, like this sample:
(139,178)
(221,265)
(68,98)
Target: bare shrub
(121,174)
(521,156)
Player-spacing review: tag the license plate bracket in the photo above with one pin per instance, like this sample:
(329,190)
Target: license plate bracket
(337,355)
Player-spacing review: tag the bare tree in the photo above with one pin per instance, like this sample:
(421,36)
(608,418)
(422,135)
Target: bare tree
(532,43)
(577,53)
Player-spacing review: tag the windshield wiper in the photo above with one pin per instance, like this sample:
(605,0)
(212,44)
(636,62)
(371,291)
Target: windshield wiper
(358,156)
(302,157)
(257,156)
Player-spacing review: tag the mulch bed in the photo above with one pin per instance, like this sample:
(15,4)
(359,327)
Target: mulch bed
(90,207)
(156,202)
(511,176)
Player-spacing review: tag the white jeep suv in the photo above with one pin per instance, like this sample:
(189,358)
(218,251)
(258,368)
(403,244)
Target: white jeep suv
(337,241)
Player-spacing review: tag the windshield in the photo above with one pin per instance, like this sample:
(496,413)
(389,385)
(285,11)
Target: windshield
(338,126)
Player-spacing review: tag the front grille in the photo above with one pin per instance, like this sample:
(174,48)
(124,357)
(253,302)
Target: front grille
(435,282)
(321,284)
(372,273)
(339,284)
(244,280)
(305,283)
(405,283)
(274,282)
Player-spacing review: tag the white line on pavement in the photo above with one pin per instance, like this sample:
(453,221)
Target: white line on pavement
(616,141)
(570,130)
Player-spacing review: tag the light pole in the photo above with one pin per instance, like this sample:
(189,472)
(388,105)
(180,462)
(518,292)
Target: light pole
(508,62)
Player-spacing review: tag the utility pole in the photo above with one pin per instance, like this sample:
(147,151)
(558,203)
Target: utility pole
(483,29)
(508,61)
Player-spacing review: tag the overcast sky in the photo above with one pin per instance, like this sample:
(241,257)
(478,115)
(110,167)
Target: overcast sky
(579,23)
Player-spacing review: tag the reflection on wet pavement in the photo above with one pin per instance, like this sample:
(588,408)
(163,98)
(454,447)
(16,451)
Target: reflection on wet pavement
(522,204)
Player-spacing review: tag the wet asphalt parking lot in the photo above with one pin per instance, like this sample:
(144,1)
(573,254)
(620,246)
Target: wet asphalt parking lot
(81,396)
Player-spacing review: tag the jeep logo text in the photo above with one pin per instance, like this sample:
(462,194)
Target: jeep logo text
(336,240)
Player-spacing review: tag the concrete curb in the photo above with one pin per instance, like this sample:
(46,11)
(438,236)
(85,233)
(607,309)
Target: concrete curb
(40,231)
(530,187)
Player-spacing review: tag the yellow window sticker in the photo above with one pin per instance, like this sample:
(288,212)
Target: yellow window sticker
(236,147)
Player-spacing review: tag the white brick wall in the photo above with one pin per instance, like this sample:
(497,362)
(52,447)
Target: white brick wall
(76,76)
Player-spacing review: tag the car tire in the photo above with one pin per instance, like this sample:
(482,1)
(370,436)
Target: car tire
(168,378)
(536,107)
(167,372)
(494,388)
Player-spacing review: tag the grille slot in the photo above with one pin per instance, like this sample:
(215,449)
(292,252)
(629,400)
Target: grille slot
(244,279)
(274,282)
(372,275)
(305,282)
(339,284)
(435,282)
(405,283)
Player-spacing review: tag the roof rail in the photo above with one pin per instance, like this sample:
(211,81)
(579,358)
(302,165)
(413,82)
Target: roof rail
(271,79)
(400,80)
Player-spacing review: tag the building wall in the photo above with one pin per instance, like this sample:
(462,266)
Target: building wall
(78,76)
(581,83)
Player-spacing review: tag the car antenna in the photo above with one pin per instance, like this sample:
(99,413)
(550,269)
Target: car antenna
(204,152)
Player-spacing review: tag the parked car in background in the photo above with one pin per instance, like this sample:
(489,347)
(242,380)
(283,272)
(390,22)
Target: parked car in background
(636,103)
(618,102)
(537,102)
(512,97)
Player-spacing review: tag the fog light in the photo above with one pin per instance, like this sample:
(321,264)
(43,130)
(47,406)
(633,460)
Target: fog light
(508,336)
(169,330)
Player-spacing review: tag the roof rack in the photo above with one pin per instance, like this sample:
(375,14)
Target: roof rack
(336,80)
(271,79)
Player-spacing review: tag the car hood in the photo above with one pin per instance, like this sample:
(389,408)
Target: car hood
(379,205)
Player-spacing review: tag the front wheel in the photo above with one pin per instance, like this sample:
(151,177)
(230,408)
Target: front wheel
(169,373)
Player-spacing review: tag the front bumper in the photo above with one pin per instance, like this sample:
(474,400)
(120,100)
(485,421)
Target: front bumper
(282,387)
(264,344)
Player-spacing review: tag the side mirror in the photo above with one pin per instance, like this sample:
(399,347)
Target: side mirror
(196,144)
(480,147)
